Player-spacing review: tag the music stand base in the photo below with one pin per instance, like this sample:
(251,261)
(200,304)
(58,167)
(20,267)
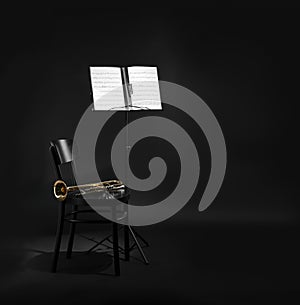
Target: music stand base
(136,244)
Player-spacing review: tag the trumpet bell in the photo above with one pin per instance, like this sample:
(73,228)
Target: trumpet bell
(60,190)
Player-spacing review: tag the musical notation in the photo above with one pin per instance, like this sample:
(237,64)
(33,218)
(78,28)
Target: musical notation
(107,87)
(145,85)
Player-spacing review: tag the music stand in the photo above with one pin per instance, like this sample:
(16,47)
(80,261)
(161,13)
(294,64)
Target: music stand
(128,91)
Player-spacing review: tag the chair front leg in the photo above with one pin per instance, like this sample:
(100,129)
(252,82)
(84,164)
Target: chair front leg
(72,232)
(59,232)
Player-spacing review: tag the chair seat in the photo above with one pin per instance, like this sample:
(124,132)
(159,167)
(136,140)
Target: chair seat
(77,198)
(105,204)
(100,219)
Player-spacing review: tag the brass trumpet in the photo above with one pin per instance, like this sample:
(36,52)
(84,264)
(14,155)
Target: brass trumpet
(61,190)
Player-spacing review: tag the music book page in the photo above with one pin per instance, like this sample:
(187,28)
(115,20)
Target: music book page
(107,88)
(145,87)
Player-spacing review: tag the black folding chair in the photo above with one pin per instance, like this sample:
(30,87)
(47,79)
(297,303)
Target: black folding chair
(61,156)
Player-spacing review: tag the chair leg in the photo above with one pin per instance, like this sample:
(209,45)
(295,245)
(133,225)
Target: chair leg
(116,249)
(72,233)
(126,243)
(59,232)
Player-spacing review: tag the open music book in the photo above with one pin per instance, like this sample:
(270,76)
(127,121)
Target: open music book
(131,88)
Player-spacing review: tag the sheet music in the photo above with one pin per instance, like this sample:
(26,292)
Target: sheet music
(145,86)
(107,88)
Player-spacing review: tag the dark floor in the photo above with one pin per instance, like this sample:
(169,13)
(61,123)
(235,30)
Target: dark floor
(189,264)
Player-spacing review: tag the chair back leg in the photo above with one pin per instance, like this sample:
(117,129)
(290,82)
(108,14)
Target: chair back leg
(116,249)
(126,243)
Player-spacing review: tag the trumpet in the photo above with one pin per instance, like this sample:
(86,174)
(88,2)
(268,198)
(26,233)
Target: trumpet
(61,190)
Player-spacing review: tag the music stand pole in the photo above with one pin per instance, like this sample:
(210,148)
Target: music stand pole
(131,231)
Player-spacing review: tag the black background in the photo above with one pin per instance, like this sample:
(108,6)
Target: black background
(243,63)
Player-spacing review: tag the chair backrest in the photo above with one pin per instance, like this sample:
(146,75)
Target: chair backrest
(61,156)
